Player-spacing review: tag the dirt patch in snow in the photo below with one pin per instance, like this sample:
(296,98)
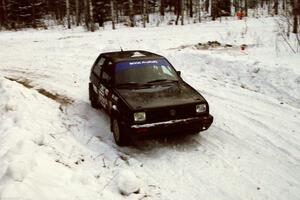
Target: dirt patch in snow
(61,99)
(25,82)
(212,45)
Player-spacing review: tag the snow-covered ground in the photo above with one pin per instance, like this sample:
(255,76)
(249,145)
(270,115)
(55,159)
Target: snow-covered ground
(53,145)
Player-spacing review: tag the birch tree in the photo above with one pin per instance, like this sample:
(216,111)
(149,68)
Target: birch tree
(92,25)
(199,10)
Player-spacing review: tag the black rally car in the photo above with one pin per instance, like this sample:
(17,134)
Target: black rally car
(144,95)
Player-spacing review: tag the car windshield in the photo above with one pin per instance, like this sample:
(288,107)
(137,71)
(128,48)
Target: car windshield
(144,72)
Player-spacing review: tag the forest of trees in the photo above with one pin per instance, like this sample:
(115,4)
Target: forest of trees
(16,14)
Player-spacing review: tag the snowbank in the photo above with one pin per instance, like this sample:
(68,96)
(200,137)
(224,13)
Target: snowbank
(40,155)
(128,182)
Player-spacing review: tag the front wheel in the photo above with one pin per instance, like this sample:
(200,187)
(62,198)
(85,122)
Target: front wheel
(120,136)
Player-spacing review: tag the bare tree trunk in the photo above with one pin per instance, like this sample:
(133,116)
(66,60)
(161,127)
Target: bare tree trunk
(287,7)
(236,6)
(112,10)
(162,7)
(131,13)
(214,9)
(68,13)
(182,11)
(147,10)
(86,14)
(178,11)
(117,15)
(206,5)
(276,6)
(33,20)
(295,24)
(3,13)
(246,7)
(295,16)
(269,7)
(77,12)
(144,13)
(91,16)
(199,10)
(191,8)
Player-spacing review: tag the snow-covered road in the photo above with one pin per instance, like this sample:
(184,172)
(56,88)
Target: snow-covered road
(52,141)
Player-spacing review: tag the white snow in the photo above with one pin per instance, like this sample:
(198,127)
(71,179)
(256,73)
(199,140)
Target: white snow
(53,143)
(128,183)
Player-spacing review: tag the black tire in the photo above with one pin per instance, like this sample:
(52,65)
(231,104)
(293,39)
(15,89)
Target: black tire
(120,136)
(93,97)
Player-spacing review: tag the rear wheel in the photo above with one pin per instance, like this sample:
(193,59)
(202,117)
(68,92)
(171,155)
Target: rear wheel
(120,136)
(93,97)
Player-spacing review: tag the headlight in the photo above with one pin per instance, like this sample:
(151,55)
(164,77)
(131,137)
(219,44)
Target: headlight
(139,116)
(200,108)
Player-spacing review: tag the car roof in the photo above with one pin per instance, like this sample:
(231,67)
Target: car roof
(119,56)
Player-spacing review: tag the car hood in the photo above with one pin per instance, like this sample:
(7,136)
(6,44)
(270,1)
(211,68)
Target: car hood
(160,96)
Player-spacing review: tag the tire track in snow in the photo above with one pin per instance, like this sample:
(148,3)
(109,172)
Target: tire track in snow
(258,117)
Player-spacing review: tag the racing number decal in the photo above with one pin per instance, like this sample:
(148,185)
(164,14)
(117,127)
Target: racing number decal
(106,98)
(103,92)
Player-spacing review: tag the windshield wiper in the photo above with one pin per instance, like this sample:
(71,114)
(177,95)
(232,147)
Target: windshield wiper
(130,84)
(162,80)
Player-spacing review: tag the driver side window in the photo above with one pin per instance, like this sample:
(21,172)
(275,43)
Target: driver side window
(106,77)
(98,66)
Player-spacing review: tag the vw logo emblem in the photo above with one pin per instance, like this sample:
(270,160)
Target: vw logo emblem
(172,112)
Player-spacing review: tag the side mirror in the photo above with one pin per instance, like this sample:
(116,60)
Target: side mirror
(178,73)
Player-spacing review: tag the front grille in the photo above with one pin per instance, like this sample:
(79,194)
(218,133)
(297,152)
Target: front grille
(170,113)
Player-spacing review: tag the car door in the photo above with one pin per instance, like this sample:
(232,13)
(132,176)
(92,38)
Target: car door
(105,86)
(96,72)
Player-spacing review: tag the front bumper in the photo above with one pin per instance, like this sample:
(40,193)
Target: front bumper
(188,125)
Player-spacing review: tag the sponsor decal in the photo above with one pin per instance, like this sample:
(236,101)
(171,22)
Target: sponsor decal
(143,62)
(95,89)
(140,63)
(115,98)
